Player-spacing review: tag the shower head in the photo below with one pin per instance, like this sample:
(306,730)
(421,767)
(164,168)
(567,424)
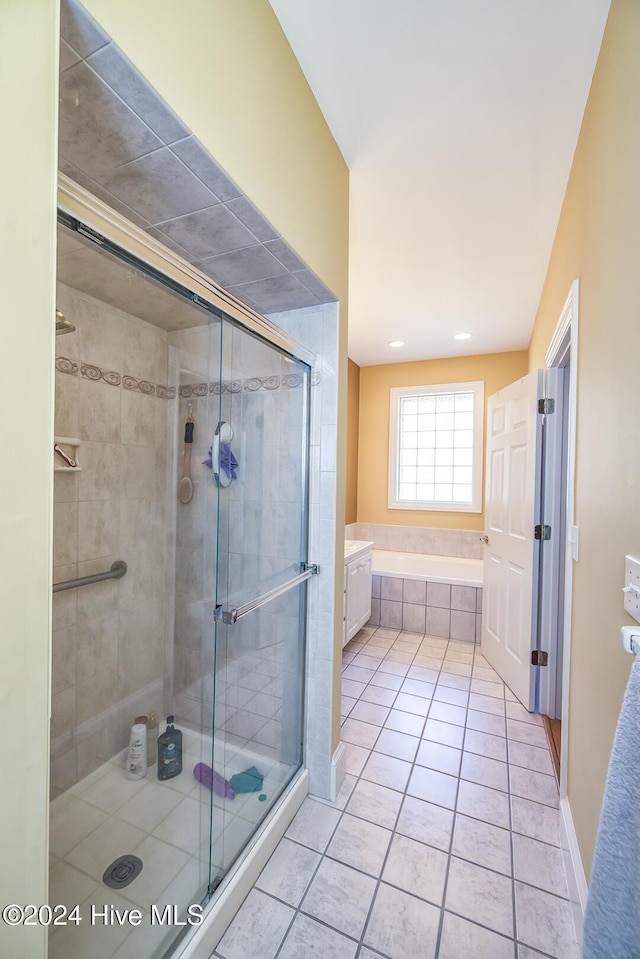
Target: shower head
(62,324)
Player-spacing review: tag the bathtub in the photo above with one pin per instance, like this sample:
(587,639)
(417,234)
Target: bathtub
(424,593)
(429,567)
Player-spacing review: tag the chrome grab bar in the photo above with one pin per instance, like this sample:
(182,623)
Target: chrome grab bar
(231,616)
(117,571)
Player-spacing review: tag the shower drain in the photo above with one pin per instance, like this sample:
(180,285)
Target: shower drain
(122,871)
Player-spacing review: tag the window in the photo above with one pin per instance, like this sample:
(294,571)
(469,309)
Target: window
(435,447)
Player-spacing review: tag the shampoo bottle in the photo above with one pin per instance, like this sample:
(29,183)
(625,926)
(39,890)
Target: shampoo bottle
(136,763)
(169,751)
(152,737)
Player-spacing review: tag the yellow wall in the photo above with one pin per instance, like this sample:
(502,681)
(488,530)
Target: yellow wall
(495,369)
(597,241)
(353,417)
(28,70)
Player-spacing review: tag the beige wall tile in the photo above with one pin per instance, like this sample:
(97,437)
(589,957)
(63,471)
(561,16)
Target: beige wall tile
(138,418)
(100,331)
(63,712)
(65,487)
(66,408)
(63,660)
(98,411)
(99,600)
(65,609)
(97,648)
(98,529)
(140,523)
(140,353)
(100,477)
(96,696)
(65,534)
(138,473)
(63,772)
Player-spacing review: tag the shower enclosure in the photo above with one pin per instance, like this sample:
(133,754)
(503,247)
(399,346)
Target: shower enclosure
(208,621)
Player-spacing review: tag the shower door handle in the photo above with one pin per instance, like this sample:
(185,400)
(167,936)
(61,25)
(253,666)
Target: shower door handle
(231,616)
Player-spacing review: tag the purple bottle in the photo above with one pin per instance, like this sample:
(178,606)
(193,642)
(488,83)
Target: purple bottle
(220,786)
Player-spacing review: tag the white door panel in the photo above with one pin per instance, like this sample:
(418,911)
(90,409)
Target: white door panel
(495,461)
(515,595)
(511,555)
(517,502)
(491,597)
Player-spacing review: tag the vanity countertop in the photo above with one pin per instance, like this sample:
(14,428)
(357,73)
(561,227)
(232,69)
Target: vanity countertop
(355,548)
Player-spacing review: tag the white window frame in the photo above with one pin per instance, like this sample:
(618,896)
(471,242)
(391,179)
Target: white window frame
(477,388)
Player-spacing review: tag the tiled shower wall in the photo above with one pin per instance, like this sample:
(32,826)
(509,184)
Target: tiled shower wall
(108,643)
(437,609)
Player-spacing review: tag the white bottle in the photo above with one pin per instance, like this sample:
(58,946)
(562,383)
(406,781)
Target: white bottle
(136,764)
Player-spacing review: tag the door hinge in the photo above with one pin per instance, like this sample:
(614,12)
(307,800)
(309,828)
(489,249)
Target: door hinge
(539,658)
(542,532)
(546,405)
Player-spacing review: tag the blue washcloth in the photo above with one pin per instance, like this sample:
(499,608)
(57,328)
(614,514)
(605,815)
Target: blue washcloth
(228,461)
(612,917)
(248,781)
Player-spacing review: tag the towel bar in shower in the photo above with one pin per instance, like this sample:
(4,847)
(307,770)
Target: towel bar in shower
(117,571)
(231,616)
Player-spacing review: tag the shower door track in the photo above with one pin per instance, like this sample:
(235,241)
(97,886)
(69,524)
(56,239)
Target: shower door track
(85,214)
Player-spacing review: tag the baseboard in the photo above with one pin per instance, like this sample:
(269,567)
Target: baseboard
(202,940)
(338,770)
(576,878)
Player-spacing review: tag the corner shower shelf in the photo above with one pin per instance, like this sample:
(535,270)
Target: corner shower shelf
(70,445)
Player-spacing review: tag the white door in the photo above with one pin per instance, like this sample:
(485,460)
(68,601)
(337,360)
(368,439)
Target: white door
(511,554)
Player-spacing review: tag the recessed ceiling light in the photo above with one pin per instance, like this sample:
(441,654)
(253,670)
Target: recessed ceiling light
(462,336)
(396,343)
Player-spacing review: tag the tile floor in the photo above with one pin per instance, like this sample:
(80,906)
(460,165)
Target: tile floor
(444,839)
(167,825)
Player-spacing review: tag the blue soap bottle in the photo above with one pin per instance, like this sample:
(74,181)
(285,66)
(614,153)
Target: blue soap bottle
(170,751)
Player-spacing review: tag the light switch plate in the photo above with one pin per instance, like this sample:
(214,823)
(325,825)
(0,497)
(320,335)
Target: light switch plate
(632,578)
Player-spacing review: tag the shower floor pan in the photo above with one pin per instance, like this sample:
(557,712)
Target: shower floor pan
(166,825)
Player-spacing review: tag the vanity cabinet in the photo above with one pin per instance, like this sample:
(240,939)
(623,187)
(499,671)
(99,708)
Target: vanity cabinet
(357,590)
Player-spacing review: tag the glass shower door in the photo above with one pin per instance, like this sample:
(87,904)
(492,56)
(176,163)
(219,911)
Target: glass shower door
(260,463)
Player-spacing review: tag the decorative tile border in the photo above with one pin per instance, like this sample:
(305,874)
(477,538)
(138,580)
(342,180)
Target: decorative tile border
(97,374)
(288,381)
(131,383)
(166,392)
(63,365)
(259,383)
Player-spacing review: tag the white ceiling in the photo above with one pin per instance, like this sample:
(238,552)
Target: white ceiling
(458,120)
